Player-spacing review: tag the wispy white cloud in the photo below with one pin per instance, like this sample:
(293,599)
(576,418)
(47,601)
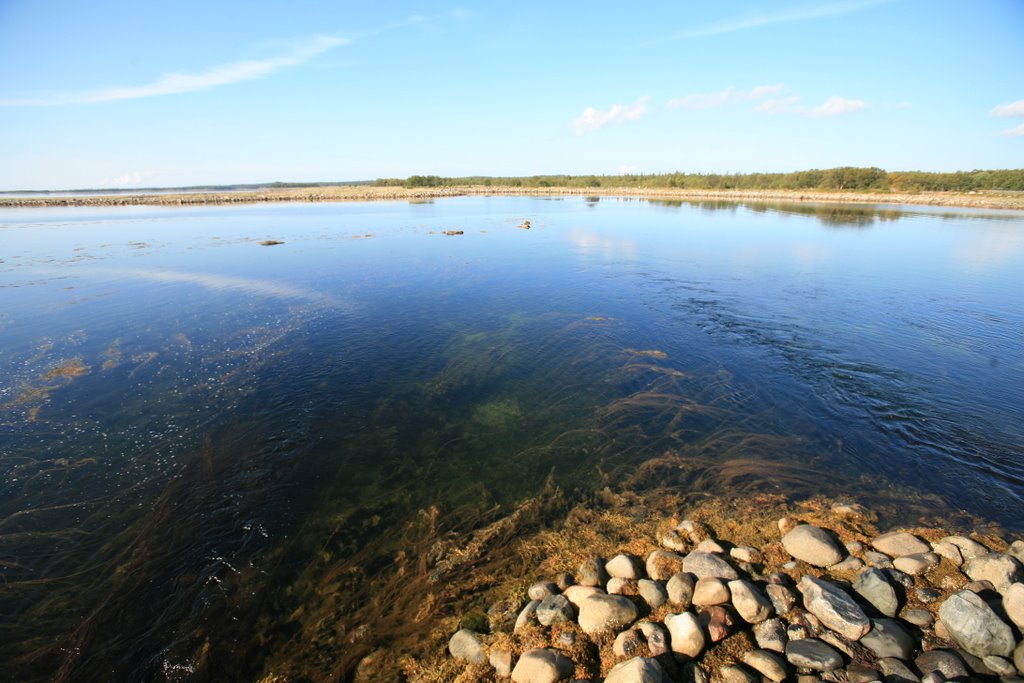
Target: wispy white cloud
(799,14)
(723,98)
(591,119)
(836,106)
(177,83)
(1015,132)
(1008,110)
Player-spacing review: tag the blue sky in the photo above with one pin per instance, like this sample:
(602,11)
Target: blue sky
(114,94)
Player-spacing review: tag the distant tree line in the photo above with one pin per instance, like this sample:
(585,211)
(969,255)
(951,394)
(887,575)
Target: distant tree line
(842,178)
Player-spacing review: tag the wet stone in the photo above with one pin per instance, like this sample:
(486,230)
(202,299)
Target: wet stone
(899,543)
(554,609)
(811,653)
(813,545)
(873,586)
(858,673)
(771,635)
(680,590)
(834,608)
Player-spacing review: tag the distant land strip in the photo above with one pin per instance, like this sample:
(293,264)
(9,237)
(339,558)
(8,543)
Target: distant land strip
(990,199)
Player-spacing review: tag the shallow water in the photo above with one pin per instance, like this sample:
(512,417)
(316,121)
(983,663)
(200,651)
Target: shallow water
(198,431)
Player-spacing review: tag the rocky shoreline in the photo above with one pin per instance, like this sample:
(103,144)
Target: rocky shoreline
(989,200)
(816,595)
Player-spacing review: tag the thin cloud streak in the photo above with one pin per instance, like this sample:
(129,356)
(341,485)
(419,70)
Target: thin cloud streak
(803,14)
(836,106)
(1008,110)
(177,83)
(1015,132)
(592,119)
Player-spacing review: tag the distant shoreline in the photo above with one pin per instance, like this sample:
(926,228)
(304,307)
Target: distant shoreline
(981,200)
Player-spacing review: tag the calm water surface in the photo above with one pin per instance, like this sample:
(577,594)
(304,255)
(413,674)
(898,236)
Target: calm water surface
(195,428)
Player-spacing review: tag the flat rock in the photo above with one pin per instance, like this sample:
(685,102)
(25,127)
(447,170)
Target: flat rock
(873,585)
(555,609)
(749,602)
(1001,569)
(710,591)
(888,639)
(1013,604)
(465,646)
(602,613)
(636,670)
(685,634)
(921,618)
(768,664)
(899,543)
(1000,665)
(945,662)
(662,565)
(708,565)
(653,593)
(895,671)
(680,589)
(834,608)
(623,566)
(916,564)
(542,666)
(813,545)
(770,634)
(974,625)
(850,564)
(948,551)
(811,653)
(969,548)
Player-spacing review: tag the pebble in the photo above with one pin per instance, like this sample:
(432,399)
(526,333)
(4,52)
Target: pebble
(623,566)
(542,589)
(888,639)
(526,616)
(771,635)
(744,553)
(708,565)
(592,573)
(974,625)
(919,617)
(671,540)
(685,634)
(899,543)
(465,646)
(731,673)
(555,609)
(1001,569)
(916,564)
(768,664)
(600,613)
(709,545)
(896,671)
(653,593)
(710,591)
(576,594)
(752,606)
(813,545)
(636,670)
(945,662)
(781,597)
(811,653)
(717,621)
(1013,604)
(680,589)
(542,666)
(629,644)
(834,608)
(872,585)
(662,565)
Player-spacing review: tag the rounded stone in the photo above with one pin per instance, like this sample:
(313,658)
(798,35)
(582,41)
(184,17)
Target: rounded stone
(834,608)
(592,573)
(749,602)
(974,625)
(899,543)
(601,613)
(680,589)
(686,637)
(811,653)
(731,673)
(945,662)
(888,639)
(542,666)
(768,664)
(771,635)
(542,589)
(710,591)
(653,593)
(1002,570)
(1013,604)
(554,609)
(661,565)
(629,644)
(917,563)
(873,585)
(576,594)
(813,545)
(708,565)
(623,566)
(465,646)
(636,670)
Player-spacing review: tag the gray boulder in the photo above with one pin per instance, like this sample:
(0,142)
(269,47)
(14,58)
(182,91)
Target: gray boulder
(601,613)
(1002,570)
(889,639)
(872,585)
(834,608)
(653,593)
(974,625)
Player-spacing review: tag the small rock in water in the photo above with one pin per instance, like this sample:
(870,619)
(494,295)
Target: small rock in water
(525,225)
(685,634)
(916,564)
(636,670)
(768,664)
(872,585)
(662,565)
(623,566)
(896,671)
(542,666)
(465,646)
(834,607)
(707,565)
(855,510)
(542,589)
(452,232)
(811,653)
(554,609)
(771,635)
(1001,569)
(1013,604)
(605,613)
(752,606)
(813,545)
(899,543)
(652,592)
(974,625)
(710,591)
(680,589)
(889,639)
